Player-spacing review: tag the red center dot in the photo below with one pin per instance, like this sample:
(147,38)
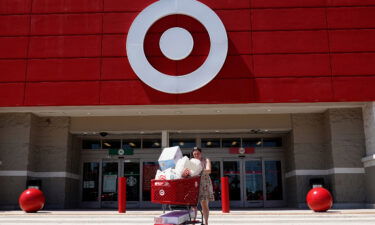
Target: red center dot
(178,67)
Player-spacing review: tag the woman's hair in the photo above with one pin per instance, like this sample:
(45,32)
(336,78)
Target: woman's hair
(195,149)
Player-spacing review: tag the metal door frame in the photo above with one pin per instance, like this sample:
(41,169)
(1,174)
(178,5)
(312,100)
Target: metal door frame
(236,203)
(109,204)
(276,203)
(253,203)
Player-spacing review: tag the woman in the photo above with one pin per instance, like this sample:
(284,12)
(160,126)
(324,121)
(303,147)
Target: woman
(206,193)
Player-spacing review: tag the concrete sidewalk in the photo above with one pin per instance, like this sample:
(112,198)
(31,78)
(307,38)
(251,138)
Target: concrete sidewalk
(249,216)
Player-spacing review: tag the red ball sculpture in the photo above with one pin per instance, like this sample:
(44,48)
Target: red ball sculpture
(31,200)
(319,199)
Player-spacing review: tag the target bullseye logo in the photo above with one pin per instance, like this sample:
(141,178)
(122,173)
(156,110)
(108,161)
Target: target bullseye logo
(176,44)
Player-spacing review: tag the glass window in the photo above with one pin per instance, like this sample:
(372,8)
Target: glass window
(90,184)
(210,143)
(149,171)
(91,144)
(183,143)
(233,142)
(131,143)
(274,187)
(232,171)
(254,180)
(151,143)
(109,181)
(113,144)
(132,174)
(272,142)
(215,177)
(251,142)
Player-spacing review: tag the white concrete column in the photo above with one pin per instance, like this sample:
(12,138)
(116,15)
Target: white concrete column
(164,138)
(369,159)
(369,126)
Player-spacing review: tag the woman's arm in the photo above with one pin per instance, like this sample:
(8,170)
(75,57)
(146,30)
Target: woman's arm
(207,170)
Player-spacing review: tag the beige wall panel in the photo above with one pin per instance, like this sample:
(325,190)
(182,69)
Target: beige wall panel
(307,128)
(11,188)
(291,191)
(348,188)
(14,156)
(310,156)
(15,140)
(370,185)
(369,126)
(54,190)
(347,141)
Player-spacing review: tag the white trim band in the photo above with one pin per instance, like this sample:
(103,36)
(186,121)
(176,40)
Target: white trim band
(24,173)
(369,161)
(325,172)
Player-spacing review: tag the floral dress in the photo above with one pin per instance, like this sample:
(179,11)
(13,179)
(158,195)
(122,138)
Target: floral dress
(205,189)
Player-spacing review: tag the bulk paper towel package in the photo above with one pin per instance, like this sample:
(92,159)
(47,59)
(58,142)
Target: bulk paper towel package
(193,165)
(169,157)
(174,217)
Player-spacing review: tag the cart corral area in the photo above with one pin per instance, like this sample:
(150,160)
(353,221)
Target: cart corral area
(264,217)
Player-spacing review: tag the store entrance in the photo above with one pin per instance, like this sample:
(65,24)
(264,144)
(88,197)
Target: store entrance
(254,182)
(110,172)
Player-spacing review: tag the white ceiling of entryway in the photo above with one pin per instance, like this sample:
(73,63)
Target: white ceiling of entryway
(204,109)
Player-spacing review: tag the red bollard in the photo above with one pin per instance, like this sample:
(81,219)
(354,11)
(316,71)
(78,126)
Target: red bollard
(121,194)
(224,195)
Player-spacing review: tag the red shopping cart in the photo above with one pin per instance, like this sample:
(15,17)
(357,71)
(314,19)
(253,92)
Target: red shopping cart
(182,192)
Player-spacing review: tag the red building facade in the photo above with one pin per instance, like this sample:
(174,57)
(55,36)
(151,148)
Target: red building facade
(74,53)
(298,79)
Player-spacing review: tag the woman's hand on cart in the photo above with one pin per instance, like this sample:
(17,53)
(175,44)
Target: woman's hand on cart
(185,173)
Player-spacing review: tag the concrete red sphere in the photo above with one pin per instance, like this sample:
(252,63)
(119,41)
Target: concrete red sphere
(31,200)
(319,199)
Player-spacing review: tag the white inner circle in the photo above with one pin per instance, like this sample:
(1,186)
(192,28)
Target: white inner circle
(176,43)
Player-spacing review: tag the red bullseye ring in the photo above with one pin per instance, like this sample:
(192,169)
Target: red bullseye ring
(177,67)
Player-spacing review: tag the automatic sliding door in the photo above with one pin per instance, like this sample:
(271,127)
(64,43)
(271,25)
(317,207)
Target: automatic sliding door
(149,171)
(132,174)
(274,184)
(215,178)
(109,184)
(231,170)
(253,174)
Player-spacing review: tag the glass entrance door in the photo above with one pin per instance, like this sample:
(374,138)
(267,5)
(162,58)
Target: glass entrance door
(131,171)
(232,170)
(252,173)
(273,183)
(110,172)
(254,182)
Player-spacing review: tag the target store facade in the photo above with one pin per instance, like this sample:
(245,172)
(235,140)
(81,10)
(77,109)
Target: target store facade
(278,94)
